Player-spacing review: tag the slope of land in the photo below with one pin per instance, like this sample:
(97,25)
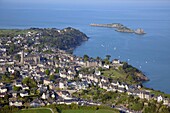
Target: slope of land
(65,39)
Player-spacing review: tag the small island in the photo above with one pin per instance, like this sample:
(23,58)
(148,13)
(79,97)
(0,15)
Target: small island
(120,28)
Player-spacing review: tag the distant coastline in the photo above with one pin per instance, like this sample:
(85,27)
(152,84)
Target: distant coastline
(120,28)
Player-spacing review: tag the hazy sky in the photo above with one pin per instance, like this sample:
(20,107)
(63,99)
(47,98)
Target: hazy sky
(87,1)
(81,3)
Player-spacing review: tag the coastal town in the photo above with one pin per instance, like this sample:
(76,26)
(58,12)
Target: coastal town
(35,77)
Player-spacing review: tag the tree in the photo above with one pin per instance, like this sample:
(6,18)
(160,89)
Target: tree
(86,57)
(9,109)
(164,109)
(15,88)
(29,82)
(57,70)
(47,72)
(98,58)
(16,74)
(17,57)
(11,48)
(150,108)
(125,65)
(25,80)
(137,106)
(106,61)
(108,57)
(52,77)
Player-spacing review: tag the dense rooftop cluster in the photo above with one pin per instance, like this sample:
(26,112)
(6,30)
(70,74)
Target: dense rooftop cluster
(33,73)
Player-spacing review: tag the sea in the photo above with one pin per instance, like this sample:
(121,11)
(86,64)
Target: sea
(150,52)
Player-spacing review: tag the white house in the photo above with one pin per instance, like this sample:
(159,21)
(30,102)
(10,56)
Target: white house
(116,61)
(15,103)
(159,98)
(44,96)
(106,66)
(3,89)
(63,75)
(97,72)
(61,85)
(23,94)
(46,82)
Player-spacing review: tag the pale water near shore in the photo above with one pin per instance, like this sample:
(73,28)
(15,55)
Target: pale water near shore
(149,52)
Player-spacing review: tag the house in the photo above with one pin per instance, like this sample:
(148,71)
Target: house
(166,101)
(126,87)
(115,83)
(116,61)
(105,86)
(147,96)
(121,85)
(53,95)
(81,75)
(68,102)
(65,95)
(18,83)
(45,96)
(2,95)
(37,102)
(25,87)
(121,90)
(3,89)
(159,98)
(104,79)
(70,76)
(63,74)
(106,66)
(97,72)
(130,92)
(144,95)
(91,63)
(24,93)
(62,85)
(14,94)
(47,82)
(16,103)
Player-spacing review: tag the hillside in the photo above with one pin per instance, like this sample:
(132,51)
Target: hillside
(65,39)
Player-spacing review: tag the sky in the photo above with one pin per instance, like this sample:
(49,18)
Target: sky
(87,1)
(80,3)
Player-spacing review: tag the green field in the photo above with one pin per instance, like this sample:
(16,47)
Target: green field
(67,111)
(114,74)
(89,111)
(35,111)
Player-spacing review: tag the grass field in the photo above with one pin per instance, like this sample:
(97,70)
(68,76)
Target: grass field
(89,111)
(35,111)
(114,74)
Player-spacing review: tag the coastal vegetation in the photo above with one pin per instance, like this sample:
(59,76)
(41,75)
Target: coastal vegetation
(132,103)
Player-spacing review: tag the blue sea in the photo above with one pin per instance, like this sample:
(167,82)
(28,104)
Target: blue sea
(150,52)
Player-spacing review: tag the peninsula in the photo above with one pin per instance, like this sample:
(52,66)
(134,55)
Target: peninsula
(36,70)
(120,28)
